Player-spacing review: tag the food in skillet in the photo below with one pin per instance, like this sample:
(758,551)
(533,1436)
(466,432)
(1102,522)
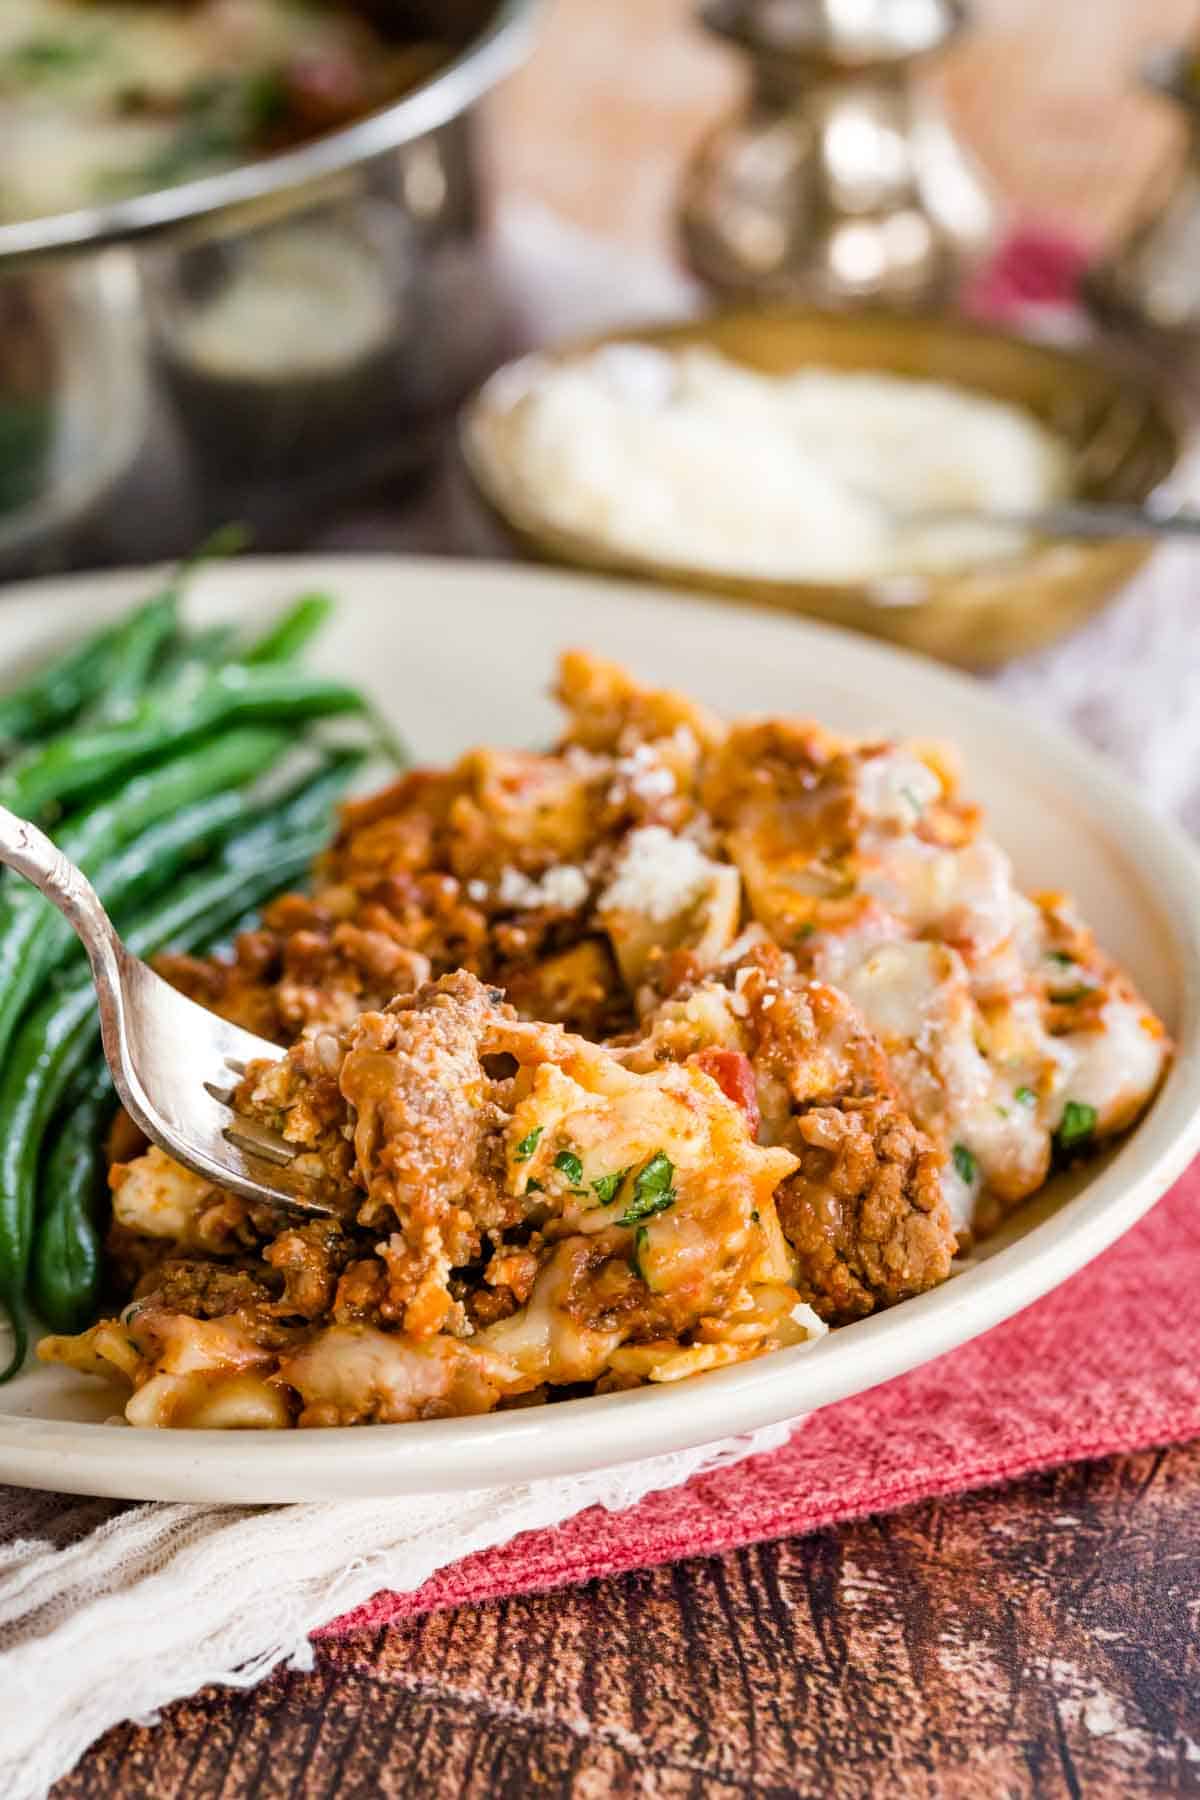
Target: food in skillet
(674,1045)
(102,98)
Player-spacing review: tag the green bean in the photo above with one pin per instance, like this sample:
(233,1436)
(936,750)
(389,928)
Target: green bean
(79,762)
(195,652)
(66,1250)
(288,635)
(281,642)
(58,692)
(135,649)
(54,1042)
(66,1257)
(200,652)
(33,936)
(67,1264)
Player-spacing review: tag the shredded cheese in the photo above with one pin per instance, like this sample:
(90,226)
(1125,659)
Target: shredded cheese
(564,888)
(659,876)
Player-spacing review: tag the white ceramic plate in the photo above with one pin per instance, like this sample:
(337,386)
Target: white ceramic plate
(461,653)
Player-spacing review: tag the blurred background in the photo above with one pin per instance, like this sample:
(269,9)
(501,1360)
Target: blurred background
(285,334)
(600,123)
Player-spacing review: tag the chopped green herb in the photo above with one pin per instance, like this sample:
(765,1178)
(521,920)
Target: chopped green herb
(1071,996)
(1002,1111)
(1060,956)
(914,800)
(1026,1096)
(645,1206)
(608,1186)
(641,1238)
(528,1145)
(806,930)
(657,1175)
(652,1191)
(568,1164)
(964,1162)
(1077,1125)
(534,1187)
(756,1218)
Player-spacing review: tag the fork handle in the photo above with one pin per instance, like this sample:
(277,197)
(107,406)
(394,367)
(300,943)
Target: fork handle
(32,854)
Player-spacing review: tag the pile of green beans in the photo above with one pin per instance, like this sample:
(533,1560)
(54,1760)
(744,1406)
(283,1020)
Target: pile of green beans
(162,761)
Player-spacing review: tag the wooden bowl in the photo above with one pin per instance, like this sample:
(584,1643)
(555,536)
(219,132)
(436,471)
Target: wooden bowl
(1123,439)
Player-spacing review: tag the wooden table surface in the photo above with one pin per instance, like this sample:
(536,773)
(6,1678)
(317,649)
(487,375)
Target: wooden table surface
(1040,1640)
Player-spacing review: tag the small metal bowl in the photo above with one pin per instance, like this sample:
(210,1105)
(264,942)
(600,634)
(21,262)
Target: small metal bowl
(1123,440)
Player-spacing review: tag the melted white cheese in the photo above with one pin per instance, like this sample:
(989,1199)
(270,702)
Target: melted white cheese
(1113,1069)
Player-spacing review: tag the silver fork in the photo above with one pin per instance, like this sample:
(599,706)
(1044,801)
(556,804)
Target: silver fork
(174,1064)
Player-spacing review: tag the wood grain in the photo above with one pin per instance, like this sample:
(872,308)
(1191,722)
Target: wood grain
(1038,1640)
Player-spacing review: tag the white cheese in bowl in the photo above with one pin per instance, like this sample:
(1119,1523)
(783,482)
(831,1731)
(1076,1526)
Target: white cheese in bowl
(690,459)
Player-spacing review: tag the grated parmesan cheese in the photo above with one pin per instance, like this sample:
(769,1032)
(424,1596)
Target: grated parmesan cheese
(838,475)
(644,775)
(564,888)
(659,875)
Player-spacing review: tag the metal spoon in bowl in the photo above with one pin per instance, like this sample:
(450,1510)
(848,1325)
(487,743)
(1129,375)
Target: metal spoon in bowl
(1067,519)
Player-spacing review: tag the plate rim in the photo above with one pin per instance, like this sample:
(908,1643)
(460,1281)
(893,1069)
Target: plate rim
(608,1430)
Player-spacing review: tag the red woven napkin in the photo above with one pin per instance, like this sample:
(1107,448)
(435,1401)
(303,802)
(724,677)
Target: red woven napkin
(1107,1362)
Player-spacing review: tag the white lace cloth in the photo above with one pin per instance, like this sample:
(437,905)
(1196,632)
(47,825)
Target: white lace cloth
(109,1612)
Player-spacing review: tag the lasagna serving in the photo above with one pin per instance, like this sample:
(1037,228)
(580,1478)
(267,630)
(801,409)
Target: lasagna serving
(682,1042)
